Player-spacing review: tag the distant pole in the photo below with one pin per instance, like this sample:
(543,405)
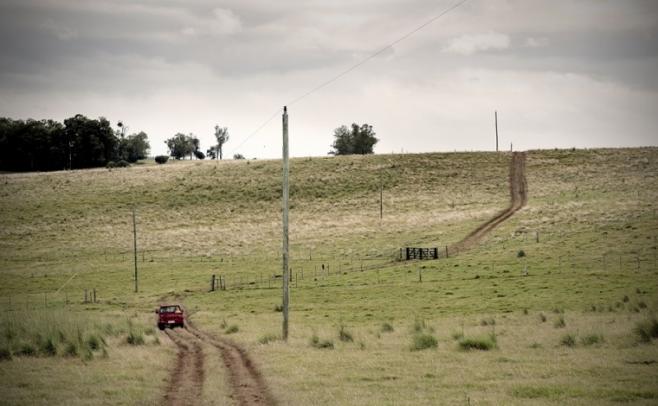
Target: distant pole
(286,275)
(496,121)
(135,247)
(381,201)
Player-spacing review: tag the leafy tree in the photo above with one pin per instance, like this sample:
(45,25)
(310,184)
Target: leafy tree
(91,143)
(354,140)
(211,153)
(199,154)
(134,147)
(180,145)
(161,159)
(238,156)
(222,136)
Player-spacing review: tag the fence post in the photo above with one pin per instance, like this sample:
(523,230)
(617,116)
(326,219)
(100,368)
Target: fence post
(94,295)
(420,275)
(447,252)
(85,295)
(212,283)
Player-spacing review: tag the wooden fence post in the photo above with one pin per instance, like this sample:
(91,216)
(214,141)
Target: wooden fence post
(85,295)
(212,283)
(420,275)
(94,295)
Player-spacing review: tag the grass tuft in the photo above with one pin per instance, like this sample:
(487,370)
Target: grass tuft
(478,343)
(646,330)
(232,329)
(559,322)
(321,344)
(344,335)
(135,338)
(387,328)
(268,338)
(423,341)
(591,339)
(568,340)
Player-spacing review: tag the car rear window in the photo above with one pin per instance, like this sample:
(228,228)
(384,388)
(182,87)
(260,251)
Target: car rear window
(169,309)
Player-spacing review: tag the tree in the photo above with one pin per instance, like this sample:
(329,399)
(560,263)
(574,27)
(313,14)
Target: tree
(91,143)
(211,153)
(134,147)
(179,146)
(199,154)
(238,156)
(354,140)
(222,136)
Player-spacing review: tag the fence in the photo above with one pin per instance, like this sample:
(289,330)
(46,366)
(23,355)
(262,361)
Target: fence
(45,300)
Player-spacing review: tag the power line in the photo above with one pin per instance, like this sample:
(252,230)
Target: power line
(378,52)
(353,67)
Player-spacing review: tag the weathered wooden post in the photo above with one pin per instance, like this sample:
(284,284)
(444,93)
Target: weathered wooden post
(94,292)
(135,247)
(286,276)
(212,283)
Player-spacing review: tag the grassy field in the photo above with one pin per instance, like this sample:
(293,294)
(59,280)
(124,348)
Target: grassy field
(560,320)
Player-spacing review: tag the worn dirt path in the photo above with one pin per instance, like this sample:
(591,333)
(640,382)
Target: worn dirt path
(518,198)
(247,384)
(186,382)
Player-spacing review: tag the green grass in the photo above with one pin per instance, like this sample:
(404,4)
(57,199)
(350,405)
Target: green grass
(594,211)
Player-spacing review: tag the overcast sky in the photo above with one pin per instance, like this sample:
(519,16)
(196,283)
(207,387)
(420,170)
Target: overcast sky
(560,73)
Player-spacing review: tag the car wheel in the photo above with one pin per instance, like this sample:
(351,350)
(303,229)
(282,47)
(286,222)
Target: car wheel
(161,326)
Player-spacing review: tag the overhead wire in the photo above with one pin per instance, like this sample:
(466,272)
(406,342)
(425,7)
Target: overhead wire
(355,66)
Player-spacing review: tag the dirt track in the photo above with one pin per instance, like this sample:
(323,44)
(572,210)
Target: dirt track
(186,382)
(518,198)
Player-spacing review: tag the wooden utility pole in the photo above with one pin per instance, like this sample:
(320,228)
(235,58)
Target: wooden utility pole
(381,201)
(496,121)
(286,274)
(135,247)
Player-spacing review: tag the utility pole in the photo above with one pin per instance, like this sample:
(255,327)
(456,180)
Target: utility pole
(496,121)
(286,275)
(135,246)
(381,201)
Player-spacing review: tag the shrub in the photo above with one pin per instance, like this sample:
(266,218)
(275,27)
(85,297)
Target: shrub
(71,350)
(591,339)
(238,156)
(646,330)
(568,340)
(199,155)
(387,328)
(135,338)
(118,164)
(344,335)
(5,353)
(542,317)
(268,338)
(233,328)
(559,323)
(27,349)
(419,326)
(93,343)
(488,322)
(520,254)
(48,347)
(322,344)
(278,308)
(423,342)
(161,159)
(478,343)
(625,299)
(457,335)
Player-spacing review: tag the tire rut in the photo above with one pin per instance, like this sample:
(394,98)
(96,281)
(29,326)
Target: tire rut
(186,380)
(247,384)
(518,198)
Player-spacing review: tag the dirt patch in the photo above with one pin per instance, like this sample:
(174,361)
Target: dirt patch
(518,198)
(247,384)
(186,381)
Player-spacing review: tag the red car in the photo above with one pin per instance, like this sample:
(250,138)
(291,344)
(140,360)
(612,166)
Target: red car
(170,316)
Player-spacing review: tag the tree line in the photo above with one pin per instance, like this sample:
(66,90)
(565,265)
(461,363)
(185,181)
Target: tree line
(79,142)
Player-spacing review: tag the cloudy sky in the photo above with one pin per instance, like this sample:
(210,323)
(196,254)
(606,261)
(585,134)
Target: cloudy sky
(559,73)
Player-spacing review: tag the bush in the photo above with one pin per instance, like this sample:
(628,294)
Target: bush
(419,326)
(268,338)
(542,317)
(387,328)
(71,350)
(27,349)
(322,344)
(344,335)
(488,322)
(233,328)
(591,339)
(5,353)
(423,342)
(278,308)
(646,330)
(478,343)
(238,156)
(135,338)
(118,164)
(93,343)
(161,159)
(48,347)
(520,254)
(199,155)
(568,340)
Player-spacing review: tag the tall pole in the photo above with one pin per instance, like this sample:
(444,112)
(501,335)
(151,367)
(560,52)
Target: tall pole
(381,200)
(496,120)
(135,246)
(286,275)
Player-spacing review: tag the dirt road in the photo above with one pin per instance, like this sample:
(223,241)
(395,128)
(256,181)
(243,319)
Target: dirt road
(187,378)
(518,198)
